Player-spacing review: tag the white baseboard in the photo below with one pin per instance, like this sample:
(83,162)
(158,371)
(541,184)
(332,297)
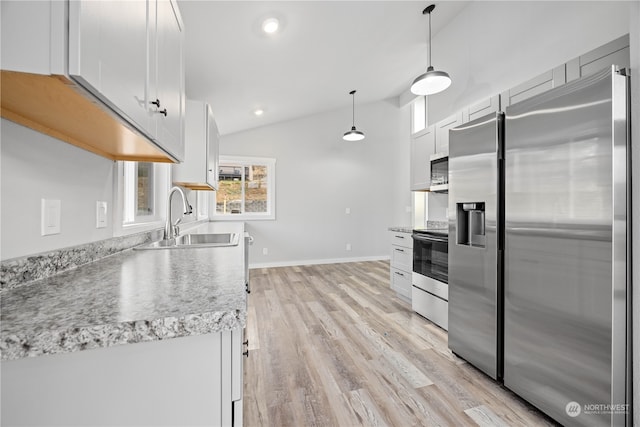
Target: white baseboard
(317,261)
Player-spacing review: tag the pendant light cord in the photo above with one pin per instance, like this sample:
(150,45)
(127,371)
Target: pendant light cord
(353,108)
(429,43)
(427,11)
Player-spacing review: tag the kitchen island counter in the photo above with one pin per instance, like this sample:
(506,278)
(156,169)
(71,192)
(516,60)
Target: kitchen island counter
(130,297)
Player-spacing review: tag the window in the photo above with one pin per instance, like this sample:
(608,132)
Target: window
(419,114)
(141,192)
(246,188)
(139,197)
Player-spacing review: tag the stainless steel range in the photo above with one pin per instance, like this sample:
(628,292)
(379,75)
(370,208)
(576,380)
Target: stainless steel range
(429,290)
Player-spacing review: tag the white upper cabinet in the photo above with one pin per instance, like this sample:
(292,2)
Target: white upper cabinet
(615,52)
(166,90)
(442,132)
(92,73)
(200,168)
(422,147)
(541,83)
(108,54)
(482,108)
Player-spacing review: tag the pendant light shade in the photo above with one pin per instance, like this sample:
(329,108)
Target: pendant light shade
(432,81)
(353,134)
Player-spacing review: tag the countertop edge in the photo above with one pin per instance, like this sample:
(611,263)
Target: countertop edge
(72,339)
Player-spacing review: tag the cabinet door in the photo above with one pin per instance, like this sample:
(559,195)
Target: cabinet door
(237,361)
(489,105)
(213,150)
(422,146)
(169,79)
(442,132)
(615,52)
(108,54)
(401,282)
(535,86)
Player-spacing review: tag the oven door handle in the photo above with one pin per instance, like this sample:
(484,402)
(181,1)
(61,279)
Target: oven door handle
(430,238)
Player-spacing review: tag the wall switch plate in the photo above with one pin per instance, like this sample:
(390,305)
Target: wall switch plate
(265,251)
(348,246)
(347,211)
(50,217)
(101,214)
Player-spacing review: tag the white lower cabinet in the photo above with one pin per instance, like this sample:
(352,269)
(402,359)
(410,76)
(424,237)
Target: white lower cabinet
(237,382)
(401,263)
(195,380)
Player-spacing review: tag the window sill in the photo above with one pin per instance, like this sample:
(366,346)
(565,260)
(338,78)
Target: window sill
(127,229)
(243,217)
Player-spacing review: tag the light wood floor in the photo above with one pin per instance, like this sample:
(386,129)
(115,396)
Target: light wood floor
(331,345)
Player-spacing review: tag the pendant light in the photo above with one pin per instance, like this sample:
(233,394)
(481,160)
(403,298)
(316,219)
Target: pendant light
(432,81)
(353,134)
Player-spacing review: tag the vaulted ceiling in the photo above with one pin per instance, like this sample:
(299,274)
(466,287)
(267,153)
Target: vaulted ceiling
(323,50)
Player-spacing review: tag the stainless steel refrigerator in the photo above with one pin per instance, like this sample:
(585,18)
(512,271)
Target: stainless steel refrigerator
(538,249)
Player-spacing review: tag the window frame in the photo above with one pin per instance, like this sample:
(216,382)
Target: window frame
(270,164)
(140,223)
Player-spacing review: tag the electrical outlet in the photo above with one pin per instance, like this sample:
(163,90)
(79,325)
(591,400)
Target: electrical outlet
(348,246)
(50,217)
(265,251)
(101,214)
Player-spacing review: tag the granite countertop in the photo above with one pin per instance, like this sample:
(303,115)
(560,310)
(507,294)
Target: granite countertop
(402,229)
(132,296)
(430,225)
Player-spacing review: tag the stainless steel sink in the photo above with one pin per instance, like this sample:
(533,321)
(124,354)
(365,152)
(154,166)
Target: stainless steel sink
(216,239)
(211,240)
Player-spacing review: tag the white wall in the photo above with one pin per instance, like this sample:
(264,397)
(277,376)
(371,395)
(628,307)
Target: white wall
(495,45)
(318,176)
(36,166)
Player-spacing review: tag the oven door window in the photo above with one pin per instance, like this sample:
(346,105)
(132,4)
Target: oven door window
(430,257)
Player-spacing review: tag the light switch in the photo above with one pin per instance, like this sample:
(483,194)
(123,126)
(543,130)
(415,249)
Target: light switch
(50,217)
(101,214)
(347,211)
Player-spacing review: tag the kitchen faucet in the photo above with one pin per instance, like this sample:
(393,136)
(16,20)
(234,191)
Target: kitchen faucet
(171,230)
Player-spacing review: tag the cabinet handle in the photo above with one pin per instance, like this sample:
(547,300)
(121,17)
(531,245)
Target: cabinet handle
(246,343)
(163,112)
(246,353)
(399,250)
(247,288)
(400,237)
(399,274)
(156,103)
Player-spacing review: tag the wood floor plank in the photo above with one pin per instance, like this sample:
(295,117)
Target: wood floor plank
(332,345)
(365,408)
(485,417)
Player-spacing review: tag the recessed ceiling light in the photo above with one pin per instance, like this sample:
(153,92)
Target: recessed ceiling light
(258,112)
(270,25)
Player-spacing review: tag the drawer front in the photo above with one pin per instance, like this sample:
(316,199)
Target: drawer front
(401,282)
(401,239)
(402,258)
(431,307)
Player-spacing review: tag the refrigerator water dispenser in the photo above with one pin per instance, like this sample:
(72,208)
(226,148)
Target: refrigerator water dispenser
(470,224)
